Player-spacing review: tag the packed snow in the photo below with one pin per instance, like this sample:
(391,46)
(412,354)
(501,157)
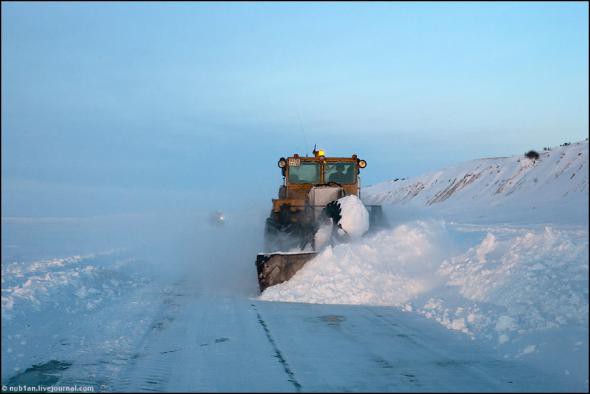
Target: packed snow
(494,248)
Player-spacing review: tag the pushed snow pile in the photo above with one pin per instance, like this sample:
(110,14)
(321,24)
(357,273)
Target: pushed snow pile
(522,289)
(389,268)
(536,276)
(514,282)
(552,188)
(355,217)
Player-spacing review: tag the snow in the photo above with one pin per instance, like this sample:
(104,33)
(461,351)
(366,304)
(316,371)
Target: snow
(489,287)
(353,224)
(322,236)
(366,272)
(153,336)
(505,323)
(514,189)
(355,217)
(494,248)
(52,294)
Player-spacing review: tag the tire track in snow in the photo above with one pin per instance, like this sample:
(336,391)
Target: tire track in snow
(479,368)
(278,353)
(154,377)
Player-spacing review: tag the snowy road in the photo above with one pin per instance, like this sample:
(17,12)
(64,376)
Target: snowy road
(122,321)
(179,340)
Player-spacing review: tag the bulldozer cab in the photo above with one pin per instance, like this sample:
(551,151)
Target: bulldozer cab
(301,174)
(312,171)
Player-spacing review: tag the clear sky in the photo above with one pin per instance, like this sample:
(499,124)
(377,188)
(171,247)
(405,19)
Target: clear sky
(129,107)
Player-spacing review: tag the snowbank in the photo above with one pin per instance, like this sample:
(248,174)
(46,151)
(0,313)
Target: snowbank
(539,277)
(387,269)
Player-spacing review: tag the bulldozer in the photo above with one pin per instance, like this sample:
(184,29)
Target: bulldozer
(308,200)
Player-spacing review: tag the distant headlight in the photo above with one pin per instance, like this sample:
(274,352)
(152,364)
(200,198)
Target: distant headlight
(282,162)
(362,163)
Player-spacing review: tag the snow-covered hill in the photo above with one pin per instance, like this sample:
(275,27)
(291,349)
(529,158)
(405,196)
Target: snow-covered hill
(553,188)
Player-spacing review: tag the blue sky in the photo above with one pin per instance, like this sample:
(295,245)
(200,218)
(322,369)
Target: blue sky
(117,108)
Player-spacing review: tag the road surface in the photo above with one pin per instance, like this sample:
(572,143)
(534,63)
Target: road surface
(177,339)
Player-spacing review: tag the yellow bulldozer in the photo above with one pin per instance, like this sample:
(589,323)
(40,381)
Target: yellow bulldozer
(309,198)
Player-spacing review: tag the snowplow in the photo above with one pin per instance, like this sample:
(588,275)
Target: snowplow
(318,204)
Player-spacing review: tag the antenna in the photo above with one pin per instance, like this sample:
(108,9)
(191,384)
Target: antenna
(302,131)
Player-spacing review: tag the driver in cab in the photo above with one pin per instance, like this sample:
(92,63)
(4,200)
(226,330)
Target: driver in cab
(339,176)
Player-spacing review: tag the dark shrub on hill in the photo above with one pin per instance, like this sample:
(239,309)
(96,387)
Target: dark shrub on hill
(532,154)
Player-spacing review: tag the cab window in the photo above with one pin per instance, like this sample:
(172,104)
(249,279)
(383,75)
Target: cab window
(304,173)
(343,173)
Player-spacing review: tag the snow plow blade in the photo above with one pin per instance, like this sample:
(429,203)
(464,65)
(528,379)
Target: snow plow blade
(275,268)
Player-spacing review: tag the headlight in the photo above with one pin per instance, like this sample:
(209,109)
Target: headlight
(362,163)
(282,163)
